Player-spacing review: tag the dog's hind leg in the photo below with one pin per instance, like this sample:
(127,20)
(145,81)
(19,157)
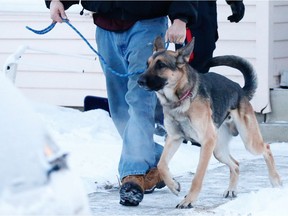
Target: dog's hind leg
(249,131)
(170,147)
(273,174)
(222,154)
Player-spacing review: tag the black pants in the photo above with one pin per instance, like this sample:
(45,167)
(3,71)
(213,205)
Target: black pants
(205,33)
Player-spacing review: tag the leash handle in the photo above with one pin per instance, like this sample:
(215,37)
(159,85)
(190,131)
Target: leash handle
(43,31)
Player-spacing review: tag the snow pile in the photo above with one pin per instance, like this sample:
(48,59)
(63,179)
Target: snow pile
(265,202)
(26,185)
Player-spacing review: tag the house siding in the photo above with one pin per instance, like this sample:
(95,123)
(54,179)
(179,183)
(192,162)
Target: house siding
(53,77)
(280,41)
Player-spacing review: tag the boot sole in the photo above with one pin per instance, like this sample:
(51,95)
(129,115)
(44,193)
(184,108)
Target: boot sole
(131,194)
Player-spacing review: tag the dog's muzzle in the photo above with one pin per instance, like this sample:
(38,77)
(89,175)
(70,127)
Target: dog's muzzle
(151,83)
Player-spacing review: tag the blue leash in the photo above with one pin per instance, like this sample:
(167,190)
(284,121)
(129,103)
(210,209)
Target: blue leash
(50,27)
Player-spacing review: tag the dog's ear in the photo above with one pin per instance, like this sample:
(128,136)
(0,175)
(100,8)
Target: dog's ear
(158,44)
(185,52)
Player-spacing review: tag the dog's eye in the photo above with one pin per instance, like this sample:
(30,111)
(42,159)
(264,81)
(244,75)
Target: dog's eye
(160,65)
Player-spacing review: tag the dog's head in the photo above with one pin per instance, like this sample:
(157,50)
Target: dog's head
(165,67)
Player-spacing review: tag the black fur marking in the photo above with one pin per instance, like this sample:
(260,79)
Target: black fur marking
(159,65)
(166,59)
(189,206)
(224,95)
(151,83)
(243,66)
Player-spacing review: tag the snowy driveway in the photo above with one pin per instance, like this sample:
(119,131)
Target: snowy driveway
(253,177)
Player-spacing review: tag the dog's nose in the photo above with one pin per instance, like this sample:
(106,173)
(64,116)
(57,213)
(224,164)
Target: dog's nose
(142,81)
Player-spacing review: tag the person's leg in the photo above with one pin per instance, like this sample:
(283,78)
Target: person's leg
(132,160)
(205,33)
(116,86)
(132,108)
(130,51)
(139,153)
(159,120)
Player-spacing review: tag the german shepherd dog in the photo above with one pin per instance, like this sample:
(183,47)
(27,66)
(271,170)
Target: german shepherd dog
(207,108)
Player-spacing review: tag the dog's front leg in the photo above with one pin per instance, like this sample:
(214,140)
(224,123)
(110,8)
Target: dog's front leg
(171,146)
(205,155)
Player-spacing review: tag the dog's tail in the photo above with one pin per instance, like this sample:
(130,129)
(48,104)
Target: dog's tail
(243,66)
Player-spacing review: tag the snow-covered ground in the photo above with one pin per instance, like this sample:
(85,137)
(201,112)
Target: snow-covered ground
(94,147)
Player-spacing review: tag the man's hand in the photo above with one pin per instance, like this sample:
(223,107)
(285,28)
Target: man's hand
(57,12)
(176,33)
(238,10)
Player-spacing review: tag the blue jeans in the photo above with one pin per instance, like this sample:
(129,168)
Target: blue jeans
(132,108)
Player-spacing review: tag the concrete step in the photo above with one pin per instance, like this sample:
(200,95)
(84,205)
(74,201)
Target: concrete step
(279,106)
(274,125)
(274,132)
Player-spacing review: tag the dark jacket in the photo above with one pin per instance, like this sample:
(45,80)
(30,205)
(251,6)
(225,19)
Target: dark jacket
(205,32)
(137,10)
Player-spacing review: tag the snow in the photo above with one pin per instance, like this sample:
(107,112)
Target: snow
(94,146)
(62,196)
(26,185)
(265,202)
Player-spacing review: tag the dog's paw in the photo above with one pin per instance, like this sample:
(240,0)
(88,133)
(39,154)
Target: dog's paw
(276,181)
(230,194)
(185,204)
(175,187)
